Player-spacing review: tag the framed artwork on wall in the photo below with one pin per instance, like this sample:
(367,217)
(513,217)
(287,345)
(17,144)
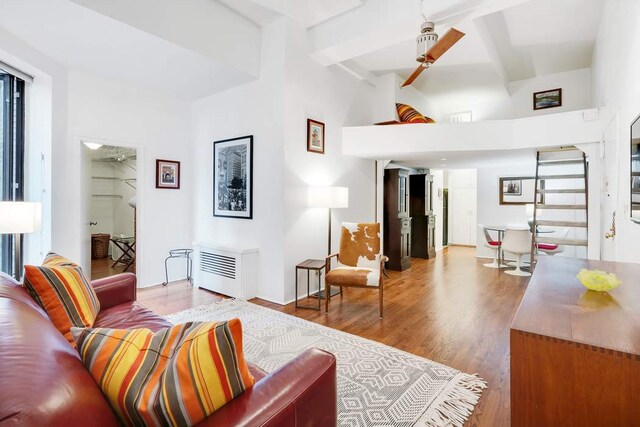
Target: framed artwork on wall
(233,177)
(315,136)
(167,174)
(520,190)
(547,99)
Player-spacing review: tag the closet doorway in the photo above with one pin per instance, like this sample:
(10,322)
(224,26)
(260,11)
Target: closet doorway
(112,209)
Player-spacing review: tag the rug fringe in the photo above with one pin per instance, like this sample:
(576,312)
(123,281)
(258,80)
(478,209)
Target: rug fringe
(456,402)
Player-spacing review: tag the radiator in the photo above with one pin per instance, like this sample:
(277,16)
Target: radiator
(228,271)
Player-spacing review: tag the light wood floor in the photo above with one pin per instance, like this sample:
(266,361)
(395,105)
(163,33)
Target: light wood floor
(102,268)
(450,309)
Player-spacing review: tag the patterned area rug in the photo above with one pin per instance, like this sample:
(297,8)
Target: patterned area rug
(378,385)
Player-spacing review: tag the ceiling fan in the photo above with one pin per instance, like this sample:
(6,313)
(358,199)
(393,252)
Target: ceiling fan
(431,47)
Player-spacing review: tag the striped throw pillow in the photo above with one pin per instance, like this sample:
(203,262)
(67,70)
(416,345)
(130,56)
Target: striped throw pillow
(177,376)
(53,258)
(65,294)
(408,114)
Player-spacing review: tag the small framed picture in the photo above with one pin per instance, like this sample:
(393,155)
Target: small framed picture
(167,174)
(547,99)
(512,187)
(315,136)
(233,177)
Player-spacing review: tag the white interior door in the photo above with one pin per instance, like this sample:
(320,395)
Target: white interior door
(462,216)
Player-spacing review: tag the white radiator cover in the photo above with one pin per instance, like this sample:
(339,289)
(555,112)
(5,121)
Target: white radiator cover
(226,270)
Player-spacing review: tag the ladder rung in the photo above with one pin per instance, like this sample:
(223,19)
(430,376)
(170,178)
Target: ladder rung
(560,162)
(570,176)
(553,223)
(557,241)
(563,191)
(543,206)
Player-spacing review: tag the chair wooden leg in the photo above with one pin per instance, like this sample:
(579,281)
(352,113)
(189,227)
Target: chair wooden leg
(381,298)
(327,295)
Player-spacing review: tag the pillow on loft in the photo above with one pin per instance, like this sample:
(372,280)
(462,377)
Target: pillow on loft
(65,294)
(408,114)
(174,377)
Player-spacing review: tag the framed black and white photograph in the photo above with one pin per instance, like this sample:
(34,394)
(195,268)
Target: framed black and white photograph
(519,190)
(233,177)
(167,174)
(512,187)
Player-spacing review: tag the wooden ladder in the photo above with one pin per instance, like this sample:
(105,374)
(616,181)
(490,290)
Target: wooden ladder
(566,156)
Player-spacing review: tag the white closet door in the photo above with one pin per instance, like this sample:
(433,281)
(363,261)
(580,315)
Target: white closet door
(462,216)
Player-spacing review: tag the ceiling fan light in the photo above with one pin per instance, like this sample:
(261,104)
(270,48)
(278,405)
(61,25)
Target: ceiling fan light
(425,40)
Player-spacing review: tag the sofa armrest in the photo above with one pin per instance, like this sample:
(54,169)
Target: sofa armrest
(301,393)
(115,290)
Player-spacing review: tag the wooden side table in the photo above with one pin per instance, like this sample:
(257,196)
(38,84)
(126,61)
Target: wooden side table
(316,265)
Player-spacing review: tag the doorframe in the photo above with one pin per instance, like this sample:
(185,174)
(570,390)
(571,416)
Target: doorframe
(140,207)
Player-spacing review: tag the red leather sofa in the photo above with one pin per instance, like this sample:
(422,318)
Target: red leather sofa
(43,381)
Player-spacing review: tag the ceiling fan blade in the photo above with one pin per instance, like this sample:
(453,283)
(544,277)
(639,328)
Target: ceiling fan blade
(444,44)
(414,75)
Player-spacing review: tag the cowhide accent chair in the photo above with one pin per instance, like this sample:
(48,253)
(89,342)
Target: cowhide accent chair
(359,261)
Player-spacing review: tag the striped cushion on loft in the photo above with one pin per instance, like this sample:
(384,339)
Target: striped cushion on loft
(177,376)
(65,294)
(408,114)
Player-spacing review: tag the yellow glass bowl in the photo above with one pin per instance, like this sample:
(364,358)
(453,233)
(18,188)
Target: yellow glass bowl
(597,280)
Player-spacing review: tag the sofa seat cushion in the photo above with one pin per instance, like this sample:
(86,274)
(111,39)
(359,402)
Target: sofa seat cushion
(130,315)
(176,376)
(65,294)
(353,276)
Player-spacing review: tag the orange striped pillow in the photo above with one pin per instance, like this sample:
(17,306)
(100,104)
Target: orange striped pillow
(65,294)
(408,114)
(177,376)
(53,259)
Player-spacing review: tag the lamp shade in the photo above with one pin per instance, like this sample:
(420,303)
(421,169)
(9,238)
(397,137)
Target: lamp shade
(328,197)
(20,217)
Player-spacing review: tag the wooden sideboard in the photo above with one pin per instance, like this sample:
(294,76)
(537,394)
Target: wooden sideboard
(575,354)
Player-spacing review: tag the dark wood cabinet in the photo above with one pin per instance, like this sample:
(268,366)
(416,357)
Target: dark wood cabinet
(397,222)
(423,222)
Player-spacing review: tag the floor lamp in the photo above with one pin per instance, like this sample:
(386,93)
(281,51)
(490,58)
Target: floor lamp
(19,218)
(329,198)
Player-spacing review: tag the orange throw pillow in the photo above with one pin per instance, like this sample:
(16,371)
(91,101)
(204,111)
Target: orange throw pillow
(408,114)
(174,377)
(65,294)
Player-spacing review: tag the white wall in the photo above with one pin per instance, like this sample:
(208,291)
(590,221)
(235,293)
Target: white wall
(336,99)
(490,211)
(291,88)
(518,101)
(616,67)
(46,137)
(159,126)
(254,109)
